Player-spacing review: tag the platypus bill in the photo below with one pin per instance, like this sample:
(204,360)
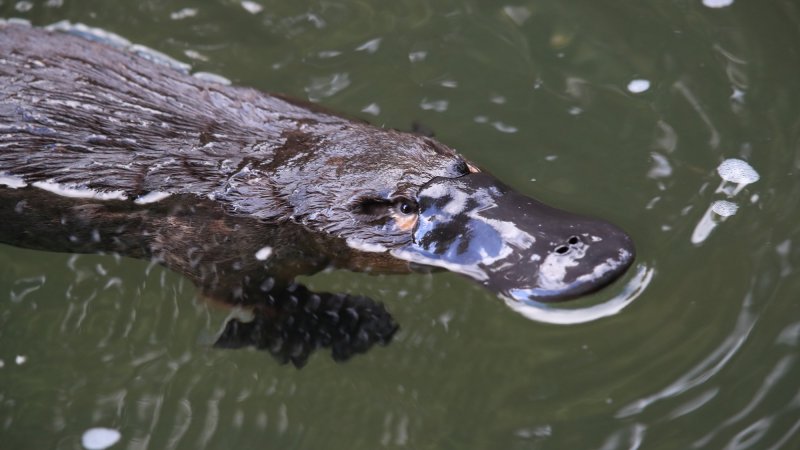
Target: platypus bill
(106,150)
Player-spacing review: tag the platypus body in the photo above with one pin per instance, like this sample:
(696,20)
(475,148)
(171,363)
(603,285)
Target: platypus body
(105,150)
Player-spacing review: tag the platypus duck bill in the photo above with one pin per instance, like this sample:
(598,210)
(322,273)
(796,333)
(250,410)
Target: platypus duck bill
(512,244)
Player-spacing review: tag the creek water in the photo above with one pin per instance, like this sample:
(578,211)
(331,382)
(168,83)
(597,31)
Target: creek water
(622,110)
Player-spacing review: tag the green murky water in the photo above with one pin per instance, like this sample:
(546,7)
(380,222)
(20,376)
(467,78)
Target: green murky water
(538,92)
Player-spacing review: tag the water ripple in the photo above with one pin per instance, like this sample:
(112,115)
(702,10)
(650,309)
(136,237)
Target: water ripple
(706,369)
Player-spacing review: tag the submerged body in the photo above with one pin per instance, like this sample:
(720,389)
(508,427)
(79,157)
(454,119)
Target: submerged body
(103,150)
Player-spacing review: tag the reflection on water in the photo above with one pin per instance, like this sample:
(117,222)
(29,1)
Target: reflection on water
(706,356)
(564,315)
(706,369)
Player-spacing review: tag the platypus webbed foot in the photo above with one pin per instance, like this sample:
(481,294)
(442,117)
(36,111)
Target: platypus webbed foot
(293,324)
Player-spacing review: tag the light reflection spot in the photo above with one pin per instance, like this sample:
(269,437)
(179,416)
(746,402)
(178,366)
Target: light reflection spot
(263,253)
(717,3)
(638,86)
(100,438)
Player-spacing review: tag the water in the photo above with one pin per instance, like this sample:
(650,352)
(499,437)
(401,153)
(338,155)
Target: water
(618,109)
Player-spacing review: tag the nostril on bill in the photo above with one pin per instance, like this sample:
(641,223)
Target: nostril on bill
(568,246)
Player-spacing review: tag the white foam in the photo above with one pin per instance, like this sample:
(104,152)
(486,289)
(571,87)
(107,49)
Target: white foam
(724,208)
(79,192)
(99,438)
(737,171)
(151,197)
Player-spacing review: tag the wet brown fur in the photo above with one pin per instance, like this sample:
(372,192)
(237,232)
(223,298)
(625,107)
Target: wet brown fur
(247,168)
(78,112)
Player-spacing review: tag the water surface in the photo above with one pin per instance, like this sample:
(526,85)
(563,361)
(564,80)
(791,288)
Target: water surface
(617,109)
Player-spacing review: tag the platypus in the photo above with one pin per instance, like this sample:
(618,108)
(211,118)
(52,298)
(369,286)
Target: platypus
(103,149)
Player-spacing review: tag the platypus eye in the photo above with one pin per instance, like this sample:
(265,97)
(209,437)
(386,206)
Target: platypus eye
(405,206)
(404,212)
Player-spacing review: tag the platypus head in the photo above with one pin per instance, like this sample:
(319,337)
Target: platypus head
(512,244)
(420,202)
